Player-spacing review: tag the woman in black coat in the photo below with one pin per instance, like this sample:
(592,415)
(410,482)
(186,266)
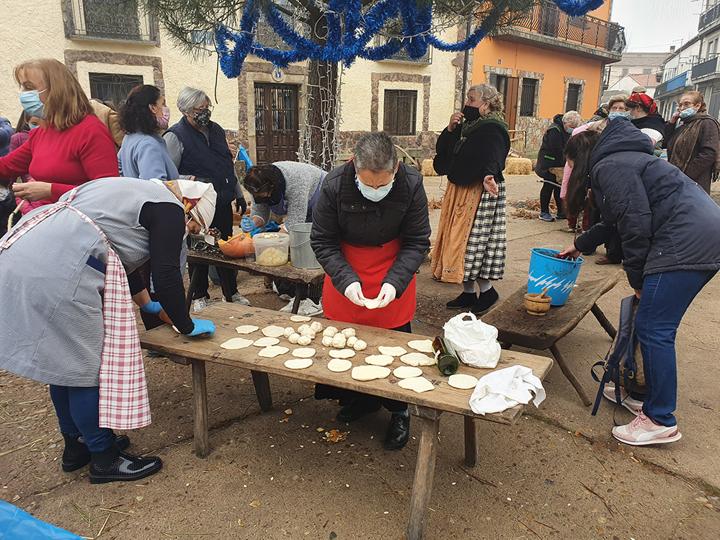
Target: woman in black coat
(670,231)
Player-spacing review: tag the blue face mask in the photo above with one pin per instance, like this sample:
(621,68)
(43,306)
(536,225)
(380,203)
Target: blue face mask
(32,126)
(687,113)
(618,114)
(372,194)
(30,101)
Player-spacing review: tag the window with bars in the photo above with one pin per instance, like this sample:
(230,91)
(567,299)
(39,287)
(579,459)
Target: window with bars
(528,97)
(400,112)
(112,88)
(573,97)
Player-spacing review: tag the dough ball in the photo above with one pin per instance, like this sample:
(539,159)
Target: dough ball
(338,341)
(294,338)
(351,341)
(289,331)
(348,332)
(330,331)
(360,345)
(327,341)
(315,326)
(304,340)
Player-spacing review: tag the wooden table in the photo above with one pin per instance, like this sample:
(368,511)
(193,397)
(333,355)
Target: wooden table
(516,327)
(426,407)
(302,278)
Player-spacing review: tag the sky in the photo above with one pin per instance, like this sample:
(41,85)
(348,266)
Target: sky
(655,25)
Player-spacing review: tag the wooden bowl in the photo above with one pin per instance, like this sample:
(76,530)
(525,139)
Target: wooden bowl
(537,304)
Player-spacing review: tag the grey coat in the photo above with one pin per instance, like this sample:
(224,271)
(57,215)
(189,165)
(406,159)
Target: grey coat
(51,281)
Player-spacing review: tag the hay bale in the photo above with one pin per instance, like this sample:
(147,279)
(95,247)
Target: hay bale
(518,166)
(427,168)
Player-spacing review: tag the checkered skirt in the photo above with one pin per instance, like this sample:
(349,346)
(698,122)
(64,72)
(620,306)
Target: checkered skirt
(487,243)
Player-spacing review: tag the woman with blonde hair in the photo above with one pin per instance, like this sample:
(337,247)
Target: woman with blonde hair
(71,147)
(471,243)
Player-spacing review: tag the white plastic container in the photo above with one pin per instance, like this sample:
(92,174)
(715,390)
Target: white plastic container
(271,249)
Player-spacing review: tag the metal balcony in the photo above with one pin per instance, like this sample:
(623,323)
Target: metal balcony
(709,17)
(705,70)
(671,86)
(115,20)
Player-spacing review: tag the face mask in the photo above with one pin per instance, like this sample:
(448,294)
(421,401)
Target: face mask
(618,114)
(372,194)
(471,113)
(687,113)
(164,121)
(569,130)
(30,101)
(203,117)
(33,126)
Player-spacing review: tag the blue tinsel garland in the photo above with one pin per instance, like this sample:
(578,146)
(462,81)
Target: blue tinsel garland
(349,31)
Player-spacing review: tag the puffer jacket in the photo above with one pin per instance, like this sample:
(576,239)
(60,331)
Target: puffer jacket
(665,220)
(552,149)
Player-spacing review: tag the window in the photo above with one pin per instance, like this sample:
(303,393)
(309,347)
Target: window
(111,88)
(527,98)
(118,20)
(499,82)
(573,97)
(400,112)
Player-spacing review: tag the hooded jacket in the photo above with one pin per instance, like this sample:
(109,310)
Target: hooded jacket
(665,220)
(552,150)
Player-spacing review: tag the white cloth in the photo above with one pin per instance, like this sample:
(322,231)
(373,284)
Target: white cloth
(198,199)
(506,388)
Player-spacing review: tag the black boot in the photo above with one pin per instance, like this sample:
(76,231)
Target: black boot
(398,431)
(485,301)
(76,454)
(112,465)
(465,300)
(357,409)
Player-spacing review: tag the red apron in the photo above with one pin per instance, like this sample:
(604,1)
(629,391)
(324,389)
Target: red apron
(371,264)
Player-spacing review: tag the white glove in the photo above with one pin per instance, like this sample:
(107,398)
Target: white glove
(354,294)
(387,295)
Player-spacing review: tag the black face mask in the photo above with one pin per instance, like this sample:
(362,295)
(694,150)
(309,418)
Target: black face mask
(471,113)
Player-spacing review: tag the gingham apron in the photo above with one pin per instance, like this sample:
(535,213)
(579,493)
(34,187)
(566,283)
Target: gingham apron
(124,402)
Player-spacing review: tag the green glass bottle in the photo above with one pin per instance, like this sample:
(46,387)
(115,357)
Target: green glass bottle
(447,361)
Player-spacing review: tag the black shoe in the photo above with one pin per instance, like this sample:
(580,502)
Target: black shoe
(357,409)
(485,301)
(398,431)
(76,454)
(465,300)
(112,465)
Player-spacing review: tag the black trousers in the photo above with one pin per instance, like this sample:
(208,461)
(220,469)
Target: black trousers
(546,192)
(347,397)
(223,221)
(613,247)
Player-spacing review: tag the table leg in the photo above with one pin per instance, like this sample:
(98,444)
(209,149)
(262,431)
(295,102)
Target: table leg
(570,376)
(262,389)
(192,285)
(200,406)
(300,291)
(470,441)
(429,420)
(602,319)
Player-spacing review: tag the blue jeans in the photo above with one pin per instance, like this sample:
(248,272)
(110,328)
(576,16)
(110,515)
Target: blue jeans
(664,300)
(77,412)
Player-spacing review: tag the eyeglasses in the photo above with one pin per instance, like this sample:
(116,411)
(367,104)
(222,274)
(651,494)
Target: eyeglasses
(197,110)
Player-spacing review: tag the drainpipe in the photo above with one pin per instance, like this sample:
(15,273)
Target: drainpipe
(466,62)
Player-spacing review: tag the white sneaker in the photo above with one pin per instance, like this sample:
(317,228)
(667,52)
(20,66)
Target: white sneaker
(238,298)
(633,405)
(285,297)
(642,432)
(308,308)
(200,304)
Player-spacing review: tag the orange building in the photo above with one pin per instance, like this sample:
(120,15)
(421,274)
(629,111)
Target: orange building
(547,63)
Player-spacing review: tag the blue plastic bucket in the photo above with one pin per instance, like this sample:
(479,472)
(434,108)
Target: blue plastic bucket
(558,276)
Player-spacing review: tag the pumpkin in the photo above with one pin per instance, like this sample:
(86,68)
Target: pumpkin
(240,245)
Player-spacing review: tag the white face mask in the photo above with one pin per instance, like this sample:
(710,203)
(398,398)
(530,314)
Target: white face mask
(372,194)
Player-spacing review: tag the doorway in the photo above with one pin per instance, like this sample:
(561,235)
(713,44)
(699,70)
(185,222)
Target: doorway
(277,135)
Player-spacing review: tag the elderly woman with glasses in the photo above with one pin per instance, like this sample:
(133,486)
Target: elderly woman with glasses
(199,149)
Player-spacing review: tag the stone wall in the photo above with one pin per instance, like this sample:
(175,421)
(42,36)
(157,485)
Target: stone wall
(420,146)
(534,129)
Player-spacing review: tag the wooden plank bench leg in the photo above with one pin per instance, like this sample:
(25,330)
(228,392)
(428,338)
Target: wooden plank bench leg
(429,420)
(200,406)
(603,320)
(261,382)
(570,375)
(470,441)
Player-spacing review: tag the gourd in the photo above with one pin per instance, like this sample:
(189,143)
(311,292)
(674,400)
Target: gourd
(240,245)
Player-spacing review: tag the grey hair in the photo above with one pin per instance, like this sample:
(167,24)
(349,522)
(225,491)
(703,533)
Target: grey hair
(488,94)
(189,98)
(375,151)
(572,119)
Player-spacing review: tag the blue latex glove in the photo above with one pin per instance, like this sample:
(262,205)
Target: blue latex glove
(272,226)
(247,224)
(151,307)
(202,328)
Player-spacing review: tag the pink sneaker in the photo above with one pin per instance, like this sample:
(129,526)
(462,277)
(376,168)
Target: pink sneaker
(632,405)
(642,431)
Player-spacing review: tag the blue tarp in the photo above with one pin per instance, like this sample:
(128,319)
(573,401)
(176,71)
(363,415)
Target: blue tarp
(16,524)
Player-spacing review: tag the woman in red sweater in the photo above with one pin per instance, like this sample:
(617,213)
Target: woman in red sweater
(72,147)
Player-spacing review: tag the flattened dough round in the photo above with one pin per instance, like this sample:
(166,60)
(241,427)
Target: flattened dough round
(391,351)
(407,372)
(379,360)
(418,359)
(417,384)
(273,331)
(273,351)
(237,343)
(462,381)
(246,329)
(305,352)
(422,345)
(342,353)
(300,318)
(298,363)
(338,366)
(369,373)
(372,303)
(266,342)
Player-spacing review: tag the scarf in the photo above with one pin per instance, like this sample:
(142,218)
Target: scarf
(468,128)
(198,199)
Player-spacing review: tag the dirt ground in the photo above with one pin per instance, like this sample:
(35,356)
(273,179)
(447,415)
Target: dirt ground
(556,474)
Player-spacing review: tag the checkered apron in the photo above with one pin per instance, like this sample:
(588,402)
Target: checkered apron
(124,402)
(486,245)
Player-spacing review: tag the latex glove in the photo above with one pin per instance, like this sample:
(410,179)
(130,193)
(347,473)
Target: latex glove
(202,327)
(387,295)
(354,294)
(152,307)
(247,224)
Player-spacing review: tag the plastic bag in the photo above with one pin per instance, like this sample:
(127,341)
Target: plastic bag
(474,341)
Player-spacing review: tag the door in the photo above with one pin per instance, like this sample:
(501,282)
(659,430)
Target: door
(276,122)
(510,98)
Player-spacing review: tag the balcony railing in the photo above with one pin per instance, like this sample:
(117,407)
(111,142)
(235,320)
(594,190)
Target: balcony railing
(671,85)
(546,19)
(708,67)
(109,19)
(709,17)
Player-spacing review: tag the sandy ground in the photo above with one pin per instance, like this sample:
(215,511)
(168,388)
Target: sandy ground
(556,474)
